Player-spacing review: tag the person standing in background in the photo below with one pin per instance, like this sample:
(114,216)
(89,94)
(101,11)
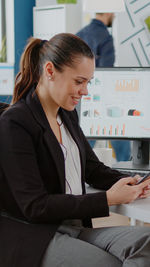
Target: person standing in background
(97,36)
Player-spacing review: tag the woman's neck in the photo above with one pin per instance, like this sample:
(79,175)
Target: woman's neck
(50,108)
(51,111)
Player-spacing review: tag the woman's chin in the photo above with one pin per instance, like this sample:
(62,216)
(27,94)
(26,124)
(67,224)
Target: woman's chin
(69,108)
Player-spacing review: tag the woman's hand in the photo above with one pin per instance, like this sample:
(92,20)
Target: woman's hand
(146,192)
(126,191)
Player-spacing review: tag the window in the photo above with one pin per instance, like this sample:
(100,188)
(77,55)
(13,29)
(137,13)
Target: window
(7,31)
(6,49)
(3,56)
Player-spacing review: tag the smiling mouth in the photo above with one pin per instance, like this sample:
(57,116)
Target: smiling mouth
(76,99)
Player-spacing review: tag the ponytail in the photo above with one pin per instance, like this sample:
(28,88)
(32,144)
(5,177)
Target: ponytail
(28,75)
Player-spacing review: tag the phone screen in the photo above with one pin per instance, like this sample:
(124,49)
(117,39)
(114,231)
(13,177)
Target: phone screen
(143,178)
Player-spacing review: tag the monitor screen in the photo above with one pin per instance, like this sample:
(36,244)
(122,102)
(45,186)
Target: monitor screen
(6,82)
(5,98)
(117,104)
(118,107)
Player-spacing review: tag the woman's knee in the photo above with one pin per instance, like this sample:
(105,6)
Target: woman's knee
(66,251)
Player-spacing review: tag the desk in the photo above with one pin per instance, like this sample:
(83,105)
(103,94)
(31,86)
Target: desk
(137,210)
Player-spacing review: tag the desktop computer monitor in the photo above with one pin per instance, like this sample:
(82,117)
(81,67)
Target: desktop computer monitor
(118,107)
(6,82)
(5,98)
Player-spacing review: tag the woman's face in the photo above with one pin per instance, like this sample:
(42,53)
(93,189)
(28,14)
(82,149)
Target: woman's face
(66,88)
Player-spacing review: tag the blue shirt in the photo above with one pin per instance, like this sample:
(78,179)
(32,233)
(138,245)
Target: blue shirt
(97,36)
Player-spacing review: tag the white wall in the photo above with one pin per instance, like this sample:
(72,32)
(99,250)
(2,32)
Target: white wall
(45,2)
(73,14)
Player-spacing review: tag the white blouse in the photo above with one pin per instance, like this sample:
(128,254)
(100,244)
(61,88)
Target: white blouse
(72,161)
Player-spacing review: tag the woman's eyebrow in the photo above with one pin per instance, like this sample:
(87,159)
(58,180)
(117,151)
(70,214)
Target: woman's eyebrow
(81,77)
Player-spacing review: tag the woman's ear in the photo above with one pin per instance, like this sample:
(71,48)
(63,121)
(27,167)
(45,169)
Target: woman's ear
(49,70)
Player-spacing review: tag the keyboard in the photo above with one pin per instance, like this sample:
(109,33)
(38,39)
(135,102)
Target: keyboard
(132,173)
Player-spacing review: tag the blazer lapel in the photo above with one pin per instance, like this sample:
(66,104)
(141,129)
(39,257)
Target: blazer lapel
(57,155)
(50,139)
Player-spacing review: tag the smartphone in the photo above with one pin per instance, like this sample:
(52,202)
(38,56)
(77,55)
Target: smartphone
(143,178)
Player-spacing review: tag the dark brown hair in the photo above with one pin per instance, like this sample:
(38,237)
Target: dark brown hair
(62,50)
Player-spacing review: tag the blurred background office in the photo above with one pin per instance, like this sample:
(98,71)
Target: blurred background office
(96,34)
(44,18)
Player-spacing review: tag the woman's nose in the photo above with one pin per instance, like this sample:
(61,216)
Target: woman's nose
(84,90)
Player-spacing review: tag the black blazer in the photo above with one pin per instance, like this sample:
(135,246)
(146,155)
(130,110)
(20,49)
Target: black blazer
(33,202)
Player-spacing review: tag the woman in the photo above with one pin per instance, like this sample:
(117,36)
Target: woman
(45,161)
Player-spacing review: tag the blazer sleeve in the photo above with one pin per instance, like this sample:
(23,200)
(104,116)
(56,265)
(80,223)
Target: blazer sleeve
(97,174)
(19,134)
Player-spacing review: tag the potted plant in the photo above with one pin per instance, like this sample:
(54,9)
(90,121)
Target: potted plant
(66,1)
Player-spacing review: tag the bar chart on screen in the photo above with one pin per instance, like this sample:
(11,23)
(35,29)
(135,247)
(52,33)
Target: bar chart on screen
(116,105)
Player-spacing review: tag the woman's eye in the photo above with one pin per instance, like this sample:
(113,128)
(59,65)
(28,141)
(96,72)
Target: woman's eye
(78,82)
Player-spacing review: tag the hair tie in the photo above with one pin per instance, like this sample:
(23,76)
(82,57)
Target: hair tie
(42,43)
